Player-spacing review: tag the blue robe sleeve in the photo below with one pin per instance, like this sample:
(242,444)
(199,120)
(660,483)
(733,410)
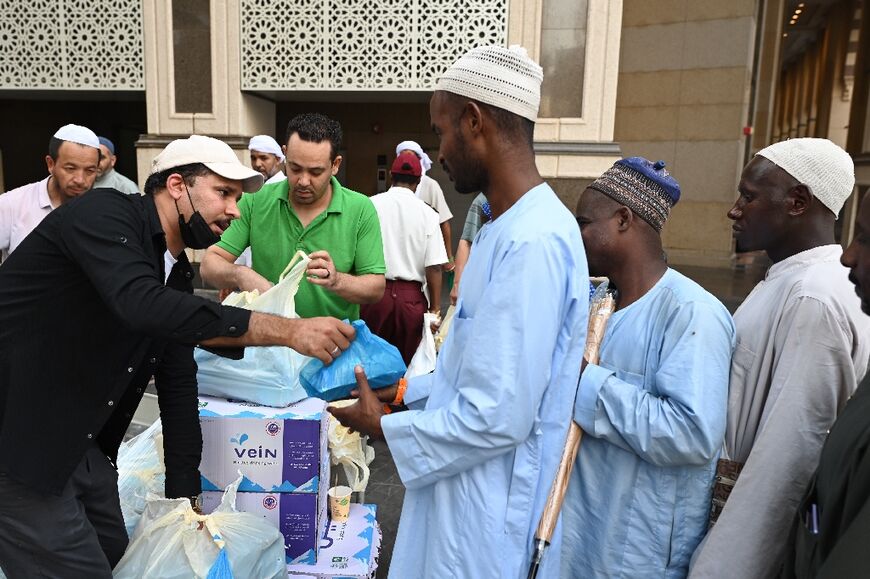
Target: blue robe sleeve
(681,422)
(504,369)
(418,391)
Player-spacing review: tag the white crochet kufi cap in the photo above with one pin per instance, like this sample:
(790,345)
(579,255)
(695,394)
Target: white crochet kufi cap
(505,78)
(826,169)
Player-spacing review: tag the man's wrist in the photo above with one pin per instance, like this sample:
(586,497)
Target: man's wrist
(196,503)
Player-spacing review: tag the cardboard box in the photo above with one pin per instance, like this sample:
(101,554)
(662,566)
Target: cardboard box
(301,518)
(275,449)
(348,550)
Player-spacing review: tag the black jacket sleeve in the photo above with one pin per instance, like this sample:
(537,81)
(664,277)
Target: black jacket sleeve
(106,234)
(175,380)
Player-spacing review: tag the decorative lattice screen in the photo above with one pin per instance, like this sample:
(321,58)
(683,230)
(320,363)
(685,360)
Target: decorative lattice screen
(71,44)
(361,44)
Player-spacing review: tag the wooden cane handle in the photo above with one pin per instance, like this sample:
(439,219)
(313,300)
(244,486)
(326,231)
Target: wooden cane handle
(598,319)
(547,524)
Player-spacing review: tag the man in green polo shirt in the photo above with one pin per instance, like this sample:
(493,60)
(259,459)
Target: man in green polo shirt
(311,211)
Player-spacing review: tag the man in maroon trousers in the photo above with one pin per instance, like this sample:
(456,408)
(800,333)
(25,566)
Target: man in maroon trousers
(414,251)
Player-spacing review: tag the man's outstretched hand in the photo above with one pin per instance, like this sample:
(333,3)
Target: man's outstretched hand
(364,416)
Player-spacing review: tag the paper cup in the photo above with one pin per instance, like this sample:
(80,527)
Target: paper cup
(339,502)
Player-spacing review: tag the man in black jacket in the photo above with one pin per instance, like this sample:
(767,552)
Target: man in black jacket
(92,304)
(831,529)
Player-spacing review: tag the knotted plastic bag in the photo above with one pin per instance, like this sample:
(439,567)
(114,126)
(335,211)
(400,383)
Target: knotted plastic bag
(141,471)
(423,361)
(172,541)
(268,376)
(444,329)
(350,450)
(381,360)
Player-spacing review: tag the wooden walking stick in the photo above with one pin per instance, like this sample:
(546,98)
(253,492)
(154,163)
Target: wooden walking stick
(601,306)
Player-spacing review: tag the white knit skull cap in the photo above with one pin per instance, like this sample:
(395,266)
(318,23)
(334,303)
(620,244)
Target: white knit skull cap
(78,134)
(505,78)
(826,169)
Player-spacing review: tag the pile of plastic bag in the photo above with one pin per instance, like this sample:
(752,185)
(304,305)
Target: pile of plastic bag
(172,541)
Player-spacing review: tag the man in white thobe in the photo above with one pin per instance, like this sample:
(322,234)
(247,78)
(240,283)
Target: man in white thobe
(802,347)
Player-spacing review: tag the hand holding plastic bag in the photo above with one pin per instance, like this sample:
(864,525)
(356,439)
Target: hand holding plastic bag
(382,361)
(350,450)
(141,472)
(423,361)
(174,542)
(444,328)
(267,376)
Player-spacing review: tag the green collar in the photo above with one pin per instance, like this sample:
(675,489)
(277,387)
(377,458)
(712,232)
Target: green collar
(281,192)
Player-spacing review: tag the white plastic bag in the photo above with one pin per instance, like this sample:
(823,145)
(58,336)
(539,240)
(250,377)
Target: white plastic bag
(267,376)
(423,361)
(174,542)
(444,329)
(141,471)
(350,450)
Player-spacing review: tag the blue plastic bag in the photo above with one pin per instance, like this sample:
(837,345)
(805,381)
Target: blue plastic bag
(381,360)
(221,568)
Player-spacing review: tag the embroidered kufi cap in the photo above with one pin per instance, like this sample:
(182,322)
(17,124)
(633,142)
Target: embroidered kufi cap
(646,188)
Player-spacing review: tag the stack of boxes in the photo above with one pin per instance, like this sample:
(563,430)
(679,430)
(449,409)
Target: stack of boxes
(282,455)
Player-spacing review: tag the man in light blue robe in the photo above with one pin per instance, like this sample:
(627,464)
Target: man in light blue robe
(653,408)
(481,441)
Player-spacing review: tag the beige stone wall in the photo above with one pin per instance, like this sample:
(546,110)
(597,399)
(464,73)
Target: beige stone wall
(683,96)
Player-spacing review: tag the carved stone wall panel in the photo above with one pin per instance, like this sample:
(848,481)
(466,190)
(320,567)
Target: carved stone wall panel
(71,44)
(361,44)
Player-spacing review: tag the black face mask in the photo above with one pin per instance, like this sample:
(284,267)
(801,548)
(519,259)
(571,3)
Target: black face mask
(196,233)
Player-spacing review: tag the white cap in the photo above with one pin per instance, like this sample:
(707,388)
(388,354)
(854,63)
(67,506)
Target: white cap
(266,144)
(505,78)
(425,161)
(826,169)
(214,154)
(78,134)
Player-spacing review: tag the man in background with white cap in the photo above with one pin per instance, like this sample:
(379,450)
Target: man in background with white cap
(267,158)
(73,161)
(479,447)
(104,280)
(802,346)
(430,192)
(108,176)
